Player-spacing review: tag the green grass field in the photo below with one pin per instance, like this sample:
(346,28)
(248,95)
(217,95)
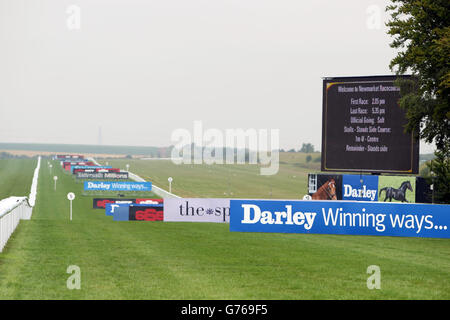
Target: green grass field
(16,176)
(227,181)
(161,260)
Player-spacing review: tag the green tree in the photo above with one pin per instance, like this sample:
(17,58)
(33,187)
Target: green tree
(307,148)
(439,168)
(421,33)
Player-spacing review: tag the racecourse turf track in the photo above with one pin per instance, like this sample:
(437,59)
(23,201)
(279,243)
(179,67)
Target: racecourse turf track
(16,176)
(227,181)
(162,260)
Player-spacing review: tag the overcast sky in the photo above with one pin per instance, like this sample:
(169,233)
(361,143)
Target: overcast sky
(141,69)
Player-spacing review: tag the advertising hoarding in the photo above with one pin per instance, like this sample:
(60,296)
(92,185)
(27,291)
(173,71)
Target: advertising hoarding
(101,175)
(117,186)
(146,212)
(197,210)
(341,217)
(100,203)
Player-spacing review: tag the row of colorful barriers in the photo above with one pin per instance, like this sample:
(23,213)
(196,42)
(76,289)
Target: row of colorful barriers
(290,216)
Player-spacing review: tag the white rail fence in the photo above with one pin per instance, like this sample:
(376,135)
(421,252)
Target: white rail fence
(33,191)
(157,190)
(14,209)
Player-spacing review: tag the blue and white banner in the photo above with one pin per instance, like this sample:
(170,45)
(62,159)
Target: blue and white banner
(120,212)
(117,186)
(341,217)
(111,208)
(359,187)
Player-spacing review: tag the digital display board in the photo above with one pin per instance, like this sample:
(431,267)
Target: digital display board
(363,127)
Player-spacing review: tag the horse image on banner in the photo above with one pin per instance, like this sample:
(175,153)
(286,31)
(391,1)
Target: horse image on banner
(397,189)
(326,191)
(325,187)
(397,194)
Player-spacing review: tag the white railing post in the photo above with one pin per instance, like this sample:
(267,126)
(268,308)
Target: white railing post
(14,209)
(11,212)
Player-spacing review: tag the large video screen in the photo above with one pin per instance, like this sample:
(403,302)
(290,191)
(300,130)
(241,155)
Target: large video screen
(363,127)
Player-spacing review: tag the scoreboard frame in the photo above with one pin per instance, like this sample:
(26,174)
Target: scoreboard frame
(334,162)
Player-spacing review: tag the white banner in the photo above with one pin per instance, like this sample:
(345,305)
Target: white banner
(196,210)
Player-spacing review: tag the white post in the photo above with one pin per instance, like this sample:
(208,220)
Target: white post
(55,178)
(170,184)
(70,196)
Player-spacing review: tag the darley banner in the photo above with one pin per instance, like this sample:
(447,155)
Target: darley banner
(117,186)
(341,217)
(368,188)
(359,188)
